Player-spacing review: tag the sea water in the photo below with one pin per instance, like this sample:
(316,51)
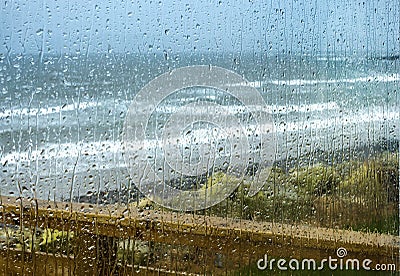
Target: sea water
(62,117)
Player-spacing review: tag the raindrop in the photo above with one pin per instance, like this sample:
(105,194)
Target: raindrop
(39,31)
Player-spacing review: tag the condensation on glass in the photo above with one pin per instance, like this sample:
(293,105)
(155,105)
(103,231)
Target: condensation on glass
(327,74)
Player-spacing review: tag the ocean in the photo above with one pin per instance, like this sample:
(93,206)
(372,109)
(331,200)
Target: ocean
(62,117)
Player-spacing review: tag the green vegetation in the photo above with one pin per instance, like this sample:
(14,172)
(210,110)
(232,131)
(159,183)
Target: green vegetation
(47,240)
(361,194)
(358,194)
(317,180)
(53,240)
(134,251)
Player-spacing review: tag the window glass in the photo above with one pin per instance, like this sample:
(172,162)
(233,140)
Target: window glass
(224,137)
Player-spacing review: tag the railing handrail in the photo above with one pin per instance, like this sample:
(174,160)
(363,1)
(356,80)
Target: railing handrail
(123,221)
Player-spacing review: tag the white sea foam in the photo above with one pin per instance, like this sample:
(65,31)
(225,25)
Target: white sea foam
(98,150)
(337,121)
(318,107)
(62,151)
(237,109)
(46,110)
(195,110)
(301,82)
(102,150)
(332,58)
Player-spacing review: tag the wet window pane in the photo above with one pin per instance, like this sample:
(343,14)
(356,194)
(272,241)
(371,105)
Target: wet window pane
(203,137)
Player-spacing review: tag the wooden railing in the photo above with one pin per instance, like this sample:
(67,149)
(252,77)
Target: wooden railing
(97,230)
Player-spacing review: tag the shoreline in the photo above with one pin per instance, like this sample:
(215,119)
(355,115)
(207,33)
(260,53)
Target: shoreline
(328,158)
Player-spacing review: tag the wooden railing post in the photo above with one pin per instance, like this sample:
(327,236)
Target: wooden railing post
(95,255)
(85,254)
(106,255)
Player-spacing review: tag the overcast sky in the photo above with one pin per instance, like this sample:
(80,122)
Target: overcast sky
(299,27)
